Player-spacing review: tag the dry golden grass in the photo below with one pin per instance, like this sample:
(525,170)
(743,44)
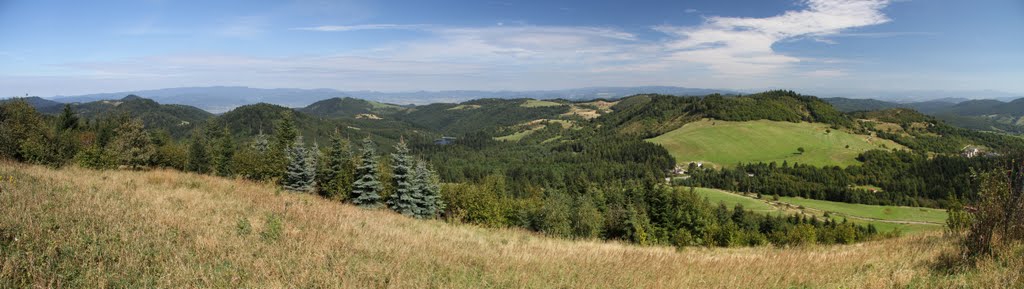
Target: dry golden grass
(82,228)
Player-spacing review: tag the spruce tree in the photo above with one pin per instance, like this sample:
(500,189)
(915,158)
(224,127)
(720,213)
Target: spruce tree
(67,120)
(225,152)
(285,132)
(403,200)
(426,193)
(366,188)
(198,159)
(299,175)
(335,179)
(133,146)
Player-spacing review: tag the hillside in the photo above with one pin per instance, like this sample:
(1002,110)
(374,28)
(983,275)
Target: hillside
(83,228)
(726,143)
(350,108)
(41,104)
(481,115)
(250,120)
(176,119)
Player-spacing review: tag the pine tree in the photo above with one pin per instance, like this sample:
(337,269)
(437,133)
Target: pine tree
(225,152)
(403,200)
(133,146)
(299,175)
(366,188)
(198,159)
(336,177)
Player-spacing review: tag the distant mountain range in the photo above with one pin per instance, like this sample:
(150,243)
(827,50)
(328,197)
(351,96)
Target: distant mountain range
(219,99)
(980,114)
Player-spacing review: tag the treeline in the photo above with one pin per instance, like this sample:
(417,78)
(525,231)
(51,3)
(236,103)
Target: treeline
(643,214)
(406,185)
(569,163)
(905,178)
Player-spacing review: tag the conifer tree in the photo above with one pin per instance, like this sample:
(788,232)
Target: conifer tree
(426,193)
(336,177)
(366,188)
(300,175)
(403,200)
(198,159)
(67,120)
(133,146)
(285,132)
(225,151)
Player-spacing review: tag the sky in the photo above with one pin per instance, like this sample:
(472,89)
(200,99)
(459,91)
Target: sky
(840,47)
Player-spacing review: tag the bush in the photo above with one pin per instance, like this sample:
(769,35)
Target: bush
(998,217)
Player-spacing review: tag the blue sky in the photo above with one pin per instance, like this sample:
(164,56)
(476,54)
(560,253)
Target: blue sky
(826,47)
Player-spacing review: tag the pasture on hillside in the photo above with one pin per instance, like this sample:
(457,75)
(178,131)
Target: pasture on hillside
(885,218)
(726,143)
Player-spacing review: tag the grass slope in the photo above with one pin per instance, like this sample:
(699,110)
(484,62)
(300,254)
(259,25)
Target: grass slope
(891,213)
(726,143)
(885,218)
(81,228)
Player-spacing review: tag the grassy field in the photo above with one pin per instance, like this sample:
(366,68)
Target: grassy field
(891,213)
(716,196)
(886,218)
(539,103)
(725,143)
(89,229)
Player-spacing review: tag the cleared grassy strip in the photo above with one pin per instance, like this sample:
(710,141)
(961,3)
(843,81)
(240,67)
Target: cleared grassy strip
(539,103)
(787,205)
(892,213)
(726,143)
(716,196)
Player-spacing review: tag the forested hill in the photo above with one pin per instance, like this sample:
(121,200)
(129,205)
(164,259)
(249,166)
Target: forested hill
(178,120)
(481,115)
(653,115)
(351,108)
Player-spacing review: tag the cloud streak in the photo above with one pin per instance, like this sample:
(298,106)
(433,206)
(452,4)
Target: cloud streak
(743,46)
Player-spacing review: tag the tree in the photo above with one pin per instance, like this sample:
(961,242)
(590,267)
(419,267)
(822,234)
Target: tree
(255,161)
(426,192)
(67,120)
(285,132)
(800,150)
(225,150)
(300,175)
(133,146)
(335,178)
(403,200)
(366,188)
(19,123)
(198,158)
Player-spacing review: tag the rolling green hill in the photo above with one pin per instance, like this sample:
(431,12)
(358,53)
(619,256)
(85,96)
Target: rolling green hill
(350,108)
(176,119)
(725,143)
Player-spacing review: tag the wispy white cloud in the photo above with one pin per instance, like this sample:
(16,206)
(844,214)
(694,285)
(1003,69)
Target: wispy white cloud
(741,45)
(720,52)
